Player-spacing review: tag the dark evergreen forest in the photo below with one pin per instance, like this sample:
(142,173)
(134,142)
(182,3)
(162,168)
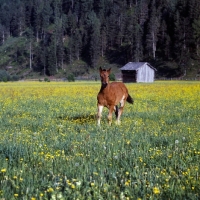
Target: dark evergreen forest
(60,32)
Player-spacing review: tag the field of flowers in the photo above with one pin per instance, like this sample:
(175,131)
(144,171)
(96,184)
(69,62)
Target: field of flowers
(52,148)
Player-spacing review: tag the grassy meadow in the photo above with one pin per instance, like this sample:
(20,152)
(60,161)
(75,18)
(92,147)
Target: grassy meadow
(51,146)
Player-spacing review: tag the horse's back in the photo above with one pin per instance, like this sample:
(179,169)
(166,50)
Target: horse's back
(119,90)
(119,87)
(112,94)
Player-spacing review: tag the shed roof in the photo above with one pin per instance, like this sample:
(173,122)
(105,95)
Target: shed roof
(135,66)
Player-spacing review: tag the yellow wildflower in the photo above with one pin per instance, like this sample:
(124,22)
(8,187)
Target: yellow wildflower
(127,183)
(3,170)
(72,186)
(156,190)
(92,184)
(50,190)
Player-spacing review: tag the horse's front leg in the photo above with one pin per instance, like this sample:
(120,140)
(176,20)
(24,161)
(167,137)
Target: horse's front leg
(99,113)
(111,109)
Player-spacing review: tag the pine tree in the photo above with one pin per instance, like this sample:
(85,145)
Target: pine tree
(36,18)
(152,31)
(21,18)
(6,16)
(164,42)
(142,10)
(69,48)
(28,12)
(86,6)
(42,56)
(77,44)
(46,17)
(51,57)
(29,33)
(60,52)
(71,23)
(196,9)
(194,16)
(137,34)
(59,34)
(196,28)
(14,26)
(103,40)
(93,24)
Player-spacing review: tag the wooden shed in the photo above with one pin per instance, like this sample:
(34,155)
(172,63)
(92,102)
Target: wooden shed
(138,72)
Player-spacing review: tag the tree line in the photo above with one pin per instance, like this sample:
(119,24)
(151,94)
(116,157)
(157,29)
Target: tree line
(58,32)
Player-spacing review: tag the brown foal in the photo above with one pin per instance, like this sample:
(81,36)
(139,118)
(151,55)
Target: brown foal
(110,95)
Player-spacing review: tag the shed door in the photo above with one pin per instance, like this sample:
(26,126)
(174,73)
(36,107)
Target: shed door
(129,76)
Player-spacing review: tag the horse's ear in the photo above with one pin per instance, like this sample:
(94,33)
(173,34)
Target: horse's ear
(109,70)
(100,69)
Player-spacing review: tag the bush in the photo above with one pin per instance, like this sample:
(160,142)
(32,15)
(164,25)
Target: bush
(70,78)
(4,76)
(14,78)
(46,79)
(95,77)
(112,77)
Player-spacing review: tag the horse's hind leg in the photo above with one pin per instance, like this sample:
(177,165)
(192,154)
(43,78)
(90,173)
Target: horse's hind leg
(116,111)
(122,103)
(119,115)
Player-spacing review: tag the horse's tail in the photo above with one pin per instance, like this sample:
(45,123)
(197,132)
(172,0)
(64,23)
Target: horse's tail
(129,99)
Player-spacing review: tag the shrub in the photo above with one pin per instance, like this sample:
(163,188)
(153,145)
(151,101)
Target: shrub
(95,77)
(46,79)
(4,76)
(70,78)
(5,79)
(14,78)
(112,77)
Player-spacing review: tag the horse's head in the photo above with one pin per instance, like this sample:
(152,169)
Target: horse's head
(104,74)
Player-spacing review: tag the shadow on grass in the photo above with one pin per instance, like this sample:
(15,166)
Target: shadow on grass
(80,119)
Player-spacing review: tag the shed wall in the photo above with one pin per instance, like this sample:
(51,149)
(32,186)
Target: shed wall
(145,74)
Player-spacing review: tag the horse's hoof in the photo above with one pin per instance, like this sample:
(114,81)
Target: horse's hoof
(118,123)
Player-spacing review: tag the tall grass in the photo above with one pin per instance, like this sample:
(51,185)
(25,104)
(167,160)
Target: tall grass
(51,147)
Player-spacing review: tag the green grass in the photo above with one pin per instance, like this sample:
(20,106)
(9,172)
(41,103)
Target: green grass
(51,147)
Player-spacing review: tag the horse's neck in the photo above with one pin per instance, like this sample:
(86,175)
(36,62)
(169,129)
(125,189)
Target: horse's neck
(105,89)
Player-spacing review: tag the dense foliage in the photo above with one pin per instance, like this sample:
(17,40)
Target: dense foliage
(4,76)
(59,32)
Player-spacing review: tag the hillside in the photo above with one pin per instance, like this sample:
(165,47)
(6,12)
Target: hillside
(15,60)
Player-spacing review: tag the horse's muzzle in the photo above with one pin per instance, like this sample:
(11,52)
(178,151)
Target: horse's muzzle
(104,84)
